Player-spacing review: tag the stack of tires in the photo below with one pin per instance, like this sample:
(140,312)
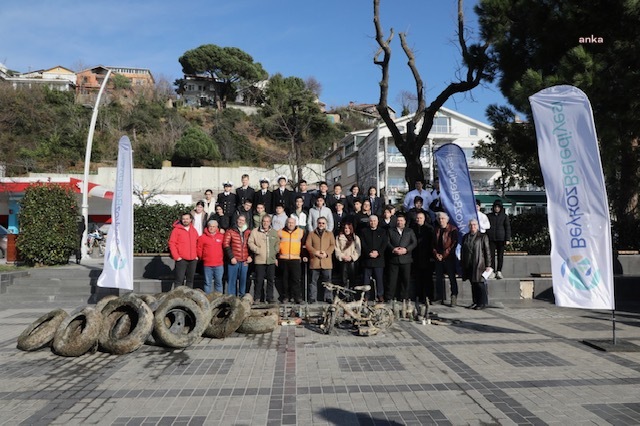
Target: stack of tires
(120,325)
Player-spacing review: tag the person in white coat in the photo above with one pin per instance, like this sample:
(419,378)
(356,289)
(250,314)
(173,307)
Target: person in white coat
(483,220)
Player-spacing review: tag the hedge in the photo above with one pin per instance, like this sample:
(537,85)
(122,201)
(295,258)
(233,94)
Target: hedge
(152,225)
(48,225)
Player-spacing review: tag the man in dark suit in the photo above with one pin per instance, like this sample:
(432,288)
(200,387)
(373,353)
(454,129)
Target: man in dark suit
(227,200)
(376,202)
(307,197)
(263,196)
(323,191)
(374,241)
(402,241)
(339,216)
(335,197)
(245,192)
(282,195)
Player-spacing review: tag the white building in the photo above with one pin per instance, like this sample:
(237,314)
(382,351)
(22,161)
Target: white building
(372,159)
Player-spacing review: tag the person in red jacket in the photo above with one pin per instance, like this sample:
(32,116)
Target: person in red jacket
(182,244)
(210,251)
(236,247)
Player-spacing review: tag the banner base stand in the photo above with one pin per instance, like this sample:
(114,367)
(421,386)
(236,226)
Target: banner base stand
(607,345)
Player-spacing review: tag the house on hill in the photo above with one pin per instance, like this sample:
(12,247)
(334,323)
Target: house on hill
(56,78)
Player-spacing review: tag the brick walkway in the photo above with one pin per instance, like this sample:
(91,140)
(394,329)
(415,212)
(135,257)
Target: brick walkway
(524,364)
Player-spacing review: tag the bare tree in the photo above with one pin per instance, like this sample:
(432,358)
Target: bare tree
(314,85)
(478,68)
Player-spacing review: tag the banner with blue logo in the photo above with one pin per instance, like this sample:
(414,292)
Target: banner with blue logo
(579,222)
(118,256)
(456,190)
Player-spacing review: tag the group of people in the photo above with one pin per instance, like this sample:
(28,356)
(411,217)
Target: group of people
(280,235)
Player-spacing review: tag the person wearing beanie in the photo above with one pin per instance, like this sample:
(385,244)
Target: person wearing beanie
(499,236)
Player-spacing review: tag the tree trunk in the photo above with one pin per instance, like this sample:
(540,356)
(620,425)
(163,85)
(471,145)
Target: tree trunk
(299,162)
(414,170)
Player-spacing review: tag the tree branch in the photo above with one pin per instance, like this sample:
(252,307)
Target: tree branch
(416,76)
(383,107)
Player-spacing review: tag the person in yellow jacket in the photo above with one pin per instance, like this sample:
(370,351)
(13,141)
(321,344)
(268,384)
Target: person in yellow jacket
(289,256)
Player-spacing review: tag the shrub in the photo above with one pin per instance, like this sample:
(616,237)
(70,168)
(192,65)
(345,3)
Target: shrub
(530,233)
(152,226)
(48,228)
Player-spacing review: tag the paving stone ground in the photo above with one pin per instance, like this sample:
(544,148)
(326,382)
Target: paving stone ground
(524,364)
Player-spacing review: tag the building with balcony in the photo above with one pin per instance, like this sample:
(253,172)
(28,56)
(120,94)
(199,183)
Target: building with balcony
(371,158)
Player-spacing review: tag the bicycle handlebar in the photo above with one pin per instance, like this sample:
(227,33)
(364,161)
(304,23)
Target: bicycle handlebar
(332,286)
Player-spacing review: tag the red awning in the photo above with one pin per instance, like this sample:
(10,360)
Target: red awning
(18,185)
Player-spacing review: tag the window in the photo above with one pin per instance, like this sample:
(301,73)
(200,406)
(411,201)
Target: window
(351,168)
(473,131)
(348,148)
(441,125)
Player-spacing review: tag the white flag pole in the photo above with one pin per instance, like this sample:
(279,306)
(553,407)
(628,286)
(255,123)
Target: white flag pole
(87,163)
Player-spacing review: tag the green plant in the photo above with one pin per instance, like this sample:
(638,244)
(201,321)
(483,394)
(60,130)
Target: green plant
(152,226)
(48,228)
(530,233)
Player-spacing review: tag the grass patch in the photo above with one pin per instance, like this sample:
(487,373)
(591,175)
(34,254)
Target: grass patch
(11,268)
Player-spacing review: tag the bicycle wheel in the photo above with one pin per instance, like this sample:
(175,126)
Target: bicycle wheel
(381,316)
(329,320)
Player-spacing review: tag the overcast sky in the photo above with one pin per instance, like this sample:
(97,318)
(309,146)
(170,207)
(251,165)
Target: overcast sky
(330,40)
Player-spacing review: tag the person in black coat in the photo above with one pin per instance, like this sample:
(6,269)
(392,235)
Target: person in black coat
(307,197)
(376,202)
(335,197)
(263,196)
(499,235)
(374,241)
(224,222)
(228,200)
(417,208)
(244,192)
(340,217)
(245,210)
(402,241)
(475,261)
(388,220)
(352,197)
(283,196)
(423,263)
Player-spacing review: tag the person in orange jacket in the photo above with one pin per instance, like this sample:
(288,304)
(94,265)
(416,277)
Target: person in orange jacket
(182,244)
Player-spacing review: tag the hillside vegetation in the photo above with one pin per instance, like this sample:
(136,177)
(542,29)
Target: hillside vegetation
(42,130)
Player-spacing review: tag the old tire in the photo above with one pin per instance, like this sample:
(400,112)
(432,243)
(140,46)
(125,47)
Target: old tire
(214,295)
(78,333)
(198,296)
(126,325)
(103,302)
(40,333)
(227,314)
(178,322)
(265,323)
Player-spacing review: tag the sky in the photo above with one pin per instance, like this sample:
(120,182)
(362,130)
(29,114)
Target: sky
(330,40)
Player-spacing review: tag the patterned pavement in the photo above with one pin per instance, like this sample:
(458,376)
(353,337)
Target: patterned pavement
(524,364)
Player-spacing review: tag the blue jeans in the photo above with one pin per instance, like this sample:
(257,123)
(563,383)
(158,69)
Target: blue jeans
(213,273)
(239,272)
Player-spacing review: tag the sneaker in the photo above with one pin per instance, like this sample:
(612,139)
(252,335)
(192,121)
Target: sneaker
(492,276)
(454,300)
(499,275)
